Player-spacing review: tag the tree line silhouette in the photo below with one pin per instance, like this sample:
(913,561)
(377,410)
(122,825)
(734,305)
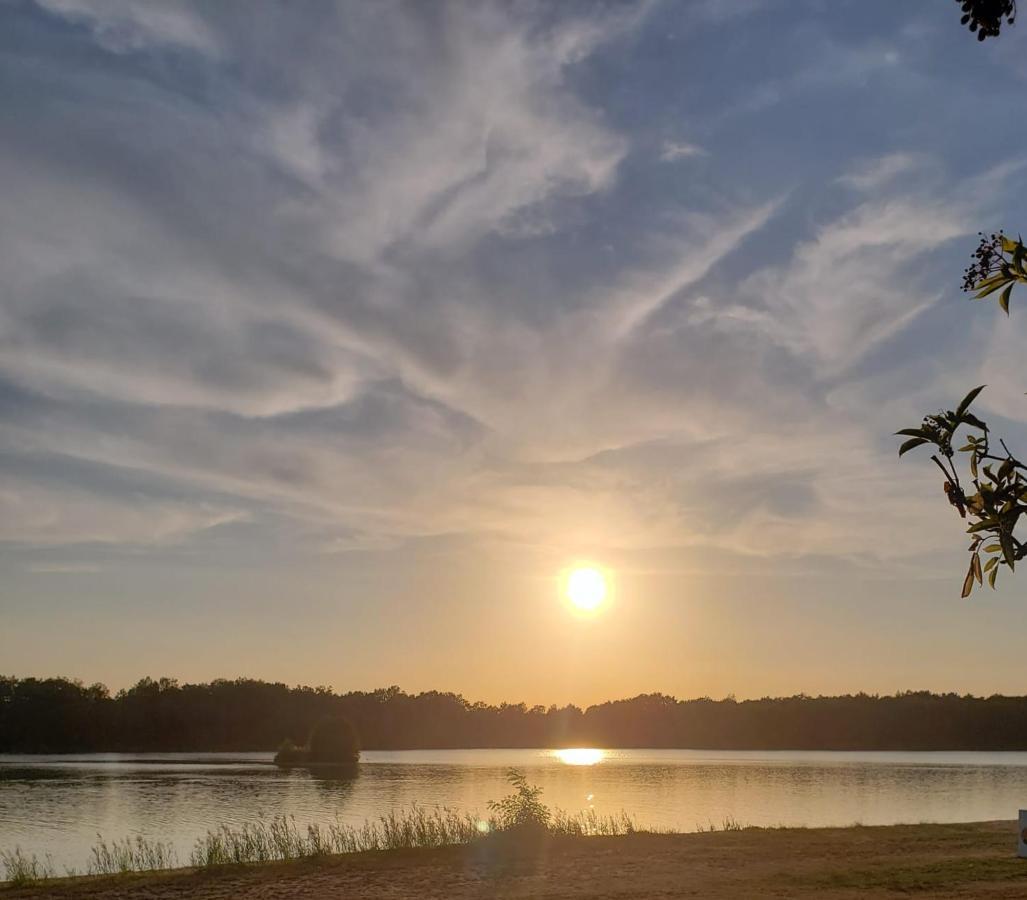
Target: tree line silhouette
(61,715)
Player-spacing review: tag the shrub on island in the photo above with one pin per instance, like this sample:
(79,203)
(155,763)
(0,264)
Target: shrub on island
(333,743)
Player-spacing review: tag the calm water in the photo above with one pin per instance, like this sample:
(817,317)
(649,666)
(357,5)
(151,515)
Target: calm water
(57,804)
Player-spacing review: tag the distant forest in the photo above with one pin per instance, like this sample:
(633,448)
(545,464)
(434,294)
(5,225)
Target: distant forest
(57,715)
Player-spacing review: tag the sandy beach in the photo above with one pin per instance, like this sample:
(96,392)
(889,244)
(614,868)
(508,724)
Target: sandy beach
(965,860)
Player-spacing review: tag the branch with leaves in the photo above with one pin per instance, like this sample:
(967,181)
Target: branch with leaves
(985,17)
(994,494)
(998,265)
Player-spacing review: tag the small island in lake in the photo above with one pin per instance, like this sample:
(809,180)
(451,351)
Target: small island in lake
(333,743)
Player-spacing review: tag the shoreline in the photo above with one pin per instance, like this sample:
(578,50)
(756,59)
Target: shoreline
(951,860)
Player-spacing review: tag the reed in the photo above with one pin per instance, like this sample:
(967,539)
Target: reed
(282,838)
(589,823)
(21,870)
(730,823)
(130,854)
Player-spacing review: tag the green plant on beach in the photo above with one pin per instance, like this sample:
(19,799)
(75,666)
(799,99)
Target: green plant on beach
(523,809)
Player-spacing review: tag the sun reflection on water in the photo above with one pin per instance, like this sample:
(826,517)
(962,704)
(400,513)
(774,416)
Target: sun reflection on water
(579,756)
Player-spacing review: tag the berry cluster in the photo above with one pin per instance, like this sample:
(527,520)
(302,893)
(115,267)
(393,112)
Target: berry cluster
(985,16)
(940,433)
(988,259)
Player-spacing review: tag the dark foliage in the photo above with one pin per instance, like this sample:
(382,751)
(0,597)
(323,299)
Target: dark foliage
(289,755)
(523,809)
(58,715)
(333,742)
(992,494)
(985,17)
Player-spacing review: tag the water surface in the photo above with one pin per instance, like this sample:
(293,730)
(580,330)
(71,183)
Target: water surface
(57,804)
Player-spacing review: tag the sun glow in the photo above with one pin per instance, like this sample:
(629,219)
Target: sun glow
(586,589)
(579,756)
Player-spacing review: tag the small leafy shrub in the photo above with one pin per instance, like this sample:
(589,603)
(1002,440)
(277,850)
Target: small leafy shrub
(523,810)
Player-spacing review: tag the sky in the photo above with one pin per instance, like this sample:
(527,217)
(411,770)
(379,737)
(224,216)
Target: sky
(331,334)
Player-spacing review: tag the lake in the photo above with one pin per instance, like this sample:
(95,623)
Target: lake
(57,804)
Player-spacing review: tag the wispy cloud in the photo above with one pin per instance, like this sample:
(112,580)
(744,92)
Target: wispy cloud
(125,25)
(368,275)
(876,173)
(672,151)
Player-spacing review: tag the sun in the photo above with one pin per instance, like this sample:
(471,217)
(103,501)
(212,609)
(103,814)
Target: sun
(586,589)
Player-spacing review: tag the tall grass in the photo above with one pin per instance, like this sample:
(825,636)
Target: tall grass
(730,823)
(589,823)
(130,855)
(20,870)
(281,838)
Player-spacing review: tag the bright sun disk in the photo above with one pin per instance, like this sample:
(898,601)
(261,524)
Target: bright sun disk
(586,588)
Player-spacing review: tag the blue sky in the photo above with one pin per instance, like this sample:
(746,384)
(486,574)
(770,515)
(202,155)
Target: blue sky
(330,334)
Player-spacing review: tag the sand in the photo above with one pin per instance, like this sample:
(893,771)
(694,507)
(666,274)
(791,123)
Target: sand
(973,860)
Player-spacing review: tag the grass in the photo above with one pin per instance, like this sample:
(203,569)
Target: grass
(281,838)
(130,855)
(20,870)
(730,823)
(925,878)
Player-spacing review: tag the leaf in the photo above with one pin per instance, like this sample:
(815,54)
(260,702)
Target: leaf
(990,280)
(990,564)
(1008,245)
(975,566)
(1007,549)
(993,548)
(990,289)
(1003,301)
(968,399)
(968,582)
(992,575)
(972,420)
(911,443)
(913,432)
